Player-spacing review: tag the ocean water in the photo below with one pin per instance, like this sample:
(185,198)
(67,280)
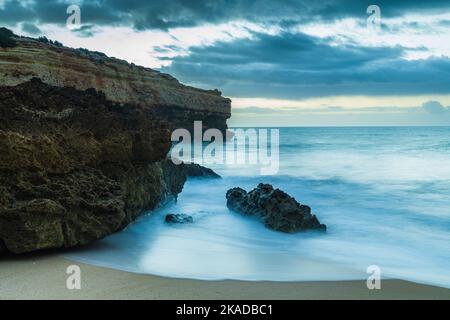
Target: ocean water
(384,194)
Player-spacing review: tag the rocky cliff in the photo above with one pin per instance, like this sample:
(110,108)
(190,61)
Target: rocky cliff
(83,151)
(76,167)
(120,81)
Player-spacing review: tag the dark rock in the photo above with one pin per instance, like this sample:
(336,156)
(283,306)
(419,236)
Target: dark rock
(7,38)
(198,171)
(275,208)
(178,218)
(75,167)
(2,247)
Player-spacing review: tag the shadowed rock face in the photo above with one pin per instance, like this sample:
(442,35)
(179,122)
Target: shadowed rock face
(275,208)
(197,171)
(120,81)
(75,167)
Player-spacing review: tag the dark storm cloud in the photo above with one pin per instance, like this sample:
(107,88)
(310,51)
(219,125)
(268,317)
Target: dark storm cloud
(31,29)
(52,11)
(158,14)
(298,66)
(286,65)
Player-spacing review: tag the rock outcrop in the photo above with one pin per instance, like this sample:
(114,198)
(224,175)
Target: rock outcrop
(120,81)
(275,208)
(76,167)
(7,38)
(197,171)
(84,140)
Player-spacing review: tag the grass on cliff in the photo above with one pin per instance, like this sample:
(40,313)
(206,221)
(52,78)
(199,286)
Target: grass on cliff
(6,38)
(48,41)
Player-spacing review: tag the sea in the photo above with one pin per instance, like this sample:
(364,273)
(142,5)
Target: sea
(383,192)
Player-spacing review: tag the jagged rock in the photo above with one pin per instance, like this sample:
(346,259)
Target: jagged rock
(178,218)
(198,171)
(275,208)
(76,167)
(120,81)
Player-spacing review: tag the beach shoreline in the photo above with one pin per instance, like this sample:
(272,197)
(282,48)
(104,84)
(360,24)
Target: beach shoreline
(43,276)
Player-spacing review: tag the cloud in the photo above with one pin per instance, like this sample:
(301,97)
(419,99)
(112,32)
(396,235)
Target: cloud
(288,63)
(435,107)
(256,110)
(431,113)
(295,66)
(31,29)
(85,31)
(275,111)
(158,14)
(445,23)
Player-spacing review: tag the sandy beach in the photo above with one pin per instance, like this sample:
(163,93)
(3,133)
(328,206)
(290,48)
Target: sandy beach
(43,276)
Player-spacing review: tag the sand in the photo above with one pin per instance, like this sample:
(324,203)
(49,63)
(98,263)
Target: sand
(43,276)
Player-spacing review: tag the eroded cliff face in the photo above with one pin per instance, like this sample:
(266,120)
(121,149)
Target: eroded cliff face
(84,140)
(75,166)
(120,81)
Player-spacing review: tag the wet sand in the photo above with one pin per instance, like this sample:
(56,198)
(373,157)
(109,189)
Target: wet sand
(43,276)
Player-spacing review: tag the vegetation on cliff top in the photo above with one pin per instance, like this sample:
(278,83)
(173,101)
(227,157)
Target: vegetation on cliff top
(44,39)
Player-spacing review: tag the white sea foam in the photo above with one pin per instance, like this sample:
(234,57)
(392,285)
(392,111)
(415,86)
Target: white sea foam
(383,194)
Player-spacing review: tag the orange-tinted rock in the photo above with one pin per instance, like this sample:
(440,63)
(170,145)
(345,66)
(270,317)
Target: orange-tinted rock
(120,81)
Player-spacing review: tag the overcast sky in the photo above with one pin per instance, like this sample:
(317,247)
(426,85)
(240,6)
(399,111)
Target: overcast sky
(284,62)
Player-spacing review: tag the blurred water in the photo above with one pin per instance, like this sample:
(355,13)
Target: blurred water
(383,193)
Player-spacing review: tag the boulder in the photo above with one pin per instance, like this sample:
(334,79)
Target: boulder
(178,218)
(276,209)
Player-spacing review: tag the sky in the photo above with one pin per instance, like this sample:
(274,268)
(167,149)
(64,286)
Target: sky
(282,62)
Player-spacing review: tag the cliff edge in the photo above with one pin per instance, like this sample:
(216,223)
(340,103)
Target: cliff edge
(120,81)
